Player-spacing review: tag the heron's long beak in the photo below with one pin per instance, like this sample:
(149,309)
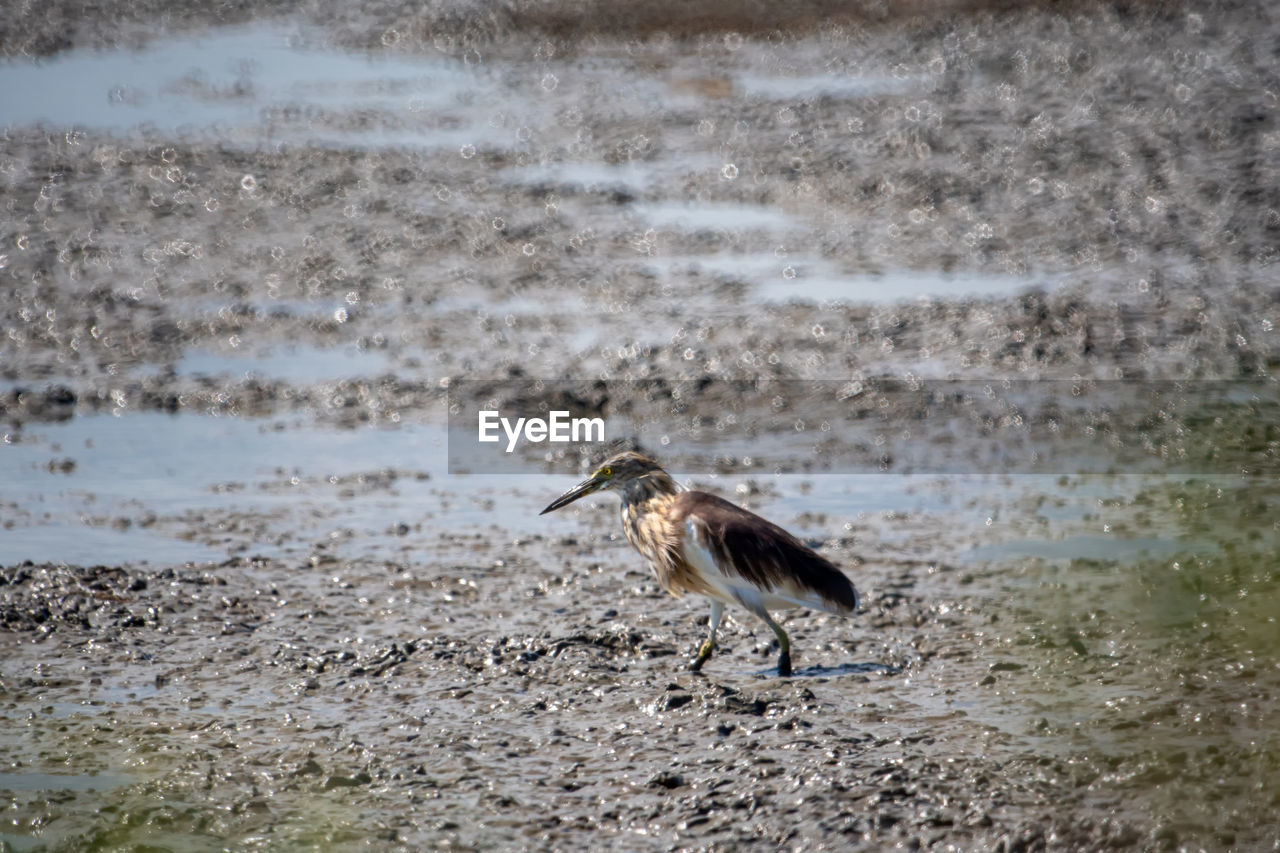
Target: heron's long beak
(580,490)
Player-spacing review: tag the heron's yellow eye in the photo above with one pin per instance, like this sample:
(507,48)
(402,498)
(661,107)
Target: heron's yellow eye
(606,471)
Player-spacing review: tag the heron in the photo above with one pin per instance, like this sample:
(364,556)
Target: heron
(699,543)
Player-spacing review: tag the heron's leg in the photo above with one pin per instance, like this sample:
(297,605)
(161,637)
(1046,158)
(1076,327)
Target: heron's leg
(784,658)
(709,644)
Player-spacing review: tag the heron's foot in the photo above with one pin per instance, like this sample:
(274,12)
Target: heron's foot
(784,664)
(704,652)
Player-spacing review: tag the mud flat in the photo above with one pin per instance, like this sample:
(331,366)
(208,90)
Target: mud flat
(979,299)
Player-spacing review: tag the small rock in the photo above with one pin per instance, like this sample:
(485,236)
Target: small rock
(676,700)
(667,780)
(740,705)
(336,781)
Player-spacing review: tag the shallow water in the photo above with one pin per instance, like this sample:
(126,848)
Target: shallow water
(231,79)
(302,365)
(141,486)
(60,782)
(151,470)
(798,283)
(101,487)
(718,217)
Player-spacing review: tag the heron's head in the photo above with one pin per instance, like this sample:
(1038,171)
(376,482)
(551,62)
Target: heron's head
(614,473)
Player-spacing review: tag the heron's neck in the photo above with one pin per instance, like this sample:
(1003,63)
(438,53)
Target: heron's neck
(647,525)
(651,485)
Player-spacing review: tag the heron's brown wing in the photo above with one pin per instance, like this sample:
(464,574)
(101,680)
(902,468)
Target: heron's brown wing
(746,546)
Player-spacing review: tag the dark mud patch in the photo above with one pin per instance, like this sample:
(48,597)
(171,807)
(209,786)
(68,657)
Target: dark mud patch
(43,599)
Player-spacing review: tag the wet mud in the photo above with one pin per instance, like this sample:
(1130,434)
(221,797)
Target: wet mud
(246,603)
